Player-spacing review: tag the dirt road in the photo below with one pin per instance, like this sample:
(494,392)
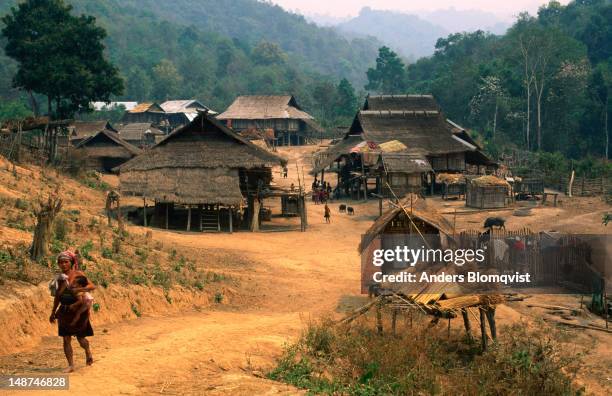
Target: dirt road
(293,278)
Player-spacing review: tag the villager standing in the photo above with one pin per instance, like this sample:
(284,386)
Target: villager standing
(69,322)
(327,214)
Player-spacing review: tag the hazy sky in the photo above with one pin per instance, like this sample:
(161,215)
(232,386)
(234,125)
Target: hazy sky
(504,9)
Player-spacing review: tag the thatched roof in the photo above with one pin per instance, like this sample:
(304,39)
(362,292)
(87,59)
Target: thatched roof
(198,163)
(83,129)
(103,141)
(137,130)
(261,107)
(323,159)
(426,130)
(489,180)
(145,107)
(421,210)
(401,103)
(450,178)
(204,143)
(407,161)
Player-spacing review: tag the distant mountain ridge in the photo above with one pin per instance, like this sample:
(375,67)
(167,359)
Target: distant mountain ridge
(407,34)
(414,36)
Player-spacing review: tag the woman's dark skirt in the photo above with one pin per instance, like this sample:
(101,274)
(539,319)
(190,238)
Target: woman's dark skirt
(65,316)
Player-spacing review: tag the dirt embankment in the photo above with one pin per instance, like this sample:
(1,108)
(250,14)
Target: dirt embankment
(24,309)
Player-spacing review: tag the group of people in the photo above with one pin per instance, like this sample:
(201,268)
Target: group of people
(321,191)
(72,304)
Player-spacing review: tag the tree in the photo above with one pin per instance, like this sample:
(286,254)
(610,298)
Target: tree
(600,84)
(266,53)
(490,94)
(346,99)
(59,56)
(389,75)
(166,80)
(139,84)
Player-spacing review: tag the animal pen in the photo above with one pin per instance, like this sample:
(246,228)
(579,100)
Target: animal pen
(487,192)
(205,177)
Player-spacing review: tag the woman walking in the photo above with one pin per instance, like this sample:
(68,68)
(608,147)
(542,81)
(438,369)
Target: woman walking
(71,322)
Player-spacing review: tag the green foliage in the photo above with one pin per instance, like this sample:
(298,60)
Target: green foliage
(389,75)
(13,109)
(136,310)
(218,297)
(86,249)
(59,55)
(328,359)
(21,204)
(60,228)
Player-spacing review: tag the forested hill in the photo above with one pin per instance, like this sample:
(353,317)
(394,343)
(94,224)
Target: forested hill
(216,49)
(544,85)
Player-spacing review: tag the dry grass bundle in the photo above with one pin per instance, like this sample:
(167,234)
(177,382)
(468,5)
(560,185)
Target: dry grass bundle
(489,180)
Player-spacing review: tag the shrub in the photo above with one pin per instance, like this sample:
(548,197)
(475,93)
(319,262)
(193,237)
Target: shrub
(136,311)
(21,204)
(86,249)
(60,228)
(218,298)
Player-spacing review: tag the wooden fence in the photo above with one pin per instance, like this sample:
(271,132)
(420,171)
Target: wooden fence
(549,259)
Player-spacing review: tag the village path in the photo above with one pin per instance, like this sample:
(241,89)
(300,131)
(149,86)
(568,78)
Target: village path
(292,278)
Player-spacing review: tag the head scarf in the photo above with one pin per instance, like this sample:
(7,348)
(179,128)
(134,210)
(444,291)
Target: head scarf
(68,255)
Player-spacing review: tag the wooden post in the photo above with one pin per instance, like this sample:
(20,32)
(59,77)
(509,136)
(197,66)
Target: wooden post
(483,329)
(380,205)
(188,217)
(448,334)
(144,210)
(255,215)
(218,218)
(167,205)
(571,184)
(393,320)
(466,323)
(231,221)
(491,318)
(201,214)
(379,323)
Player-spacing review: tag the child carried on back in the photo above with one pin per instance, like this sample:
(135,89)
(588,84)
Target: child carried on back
(84,300)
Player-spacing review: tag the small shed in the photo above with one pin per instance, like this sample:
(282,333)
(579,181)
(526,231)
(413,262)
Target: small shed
(106,150)
(145,112)
(487,192)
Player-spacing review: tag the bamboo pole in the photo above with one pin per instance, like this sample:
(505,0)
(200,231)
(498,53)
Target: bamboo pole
(188,217)
(483,330)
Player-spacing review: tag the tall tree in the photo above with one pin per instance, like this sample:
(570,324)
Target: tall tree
(60,56)
(346,99)
(167,80)
(389,75)
(600,85)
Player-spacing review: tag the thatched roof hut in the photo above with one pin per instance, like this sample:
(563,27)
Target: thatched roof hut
(141,134)
(105,150)
(292,125)
(401,103)
(200,163)
(421,214)
(80,130)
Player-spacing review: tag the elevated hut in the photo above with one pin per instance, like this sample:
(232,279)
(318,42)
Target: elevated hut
(203,166)
(487,192)
(402,172)
(105,150)
(412,221)
(292,126)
